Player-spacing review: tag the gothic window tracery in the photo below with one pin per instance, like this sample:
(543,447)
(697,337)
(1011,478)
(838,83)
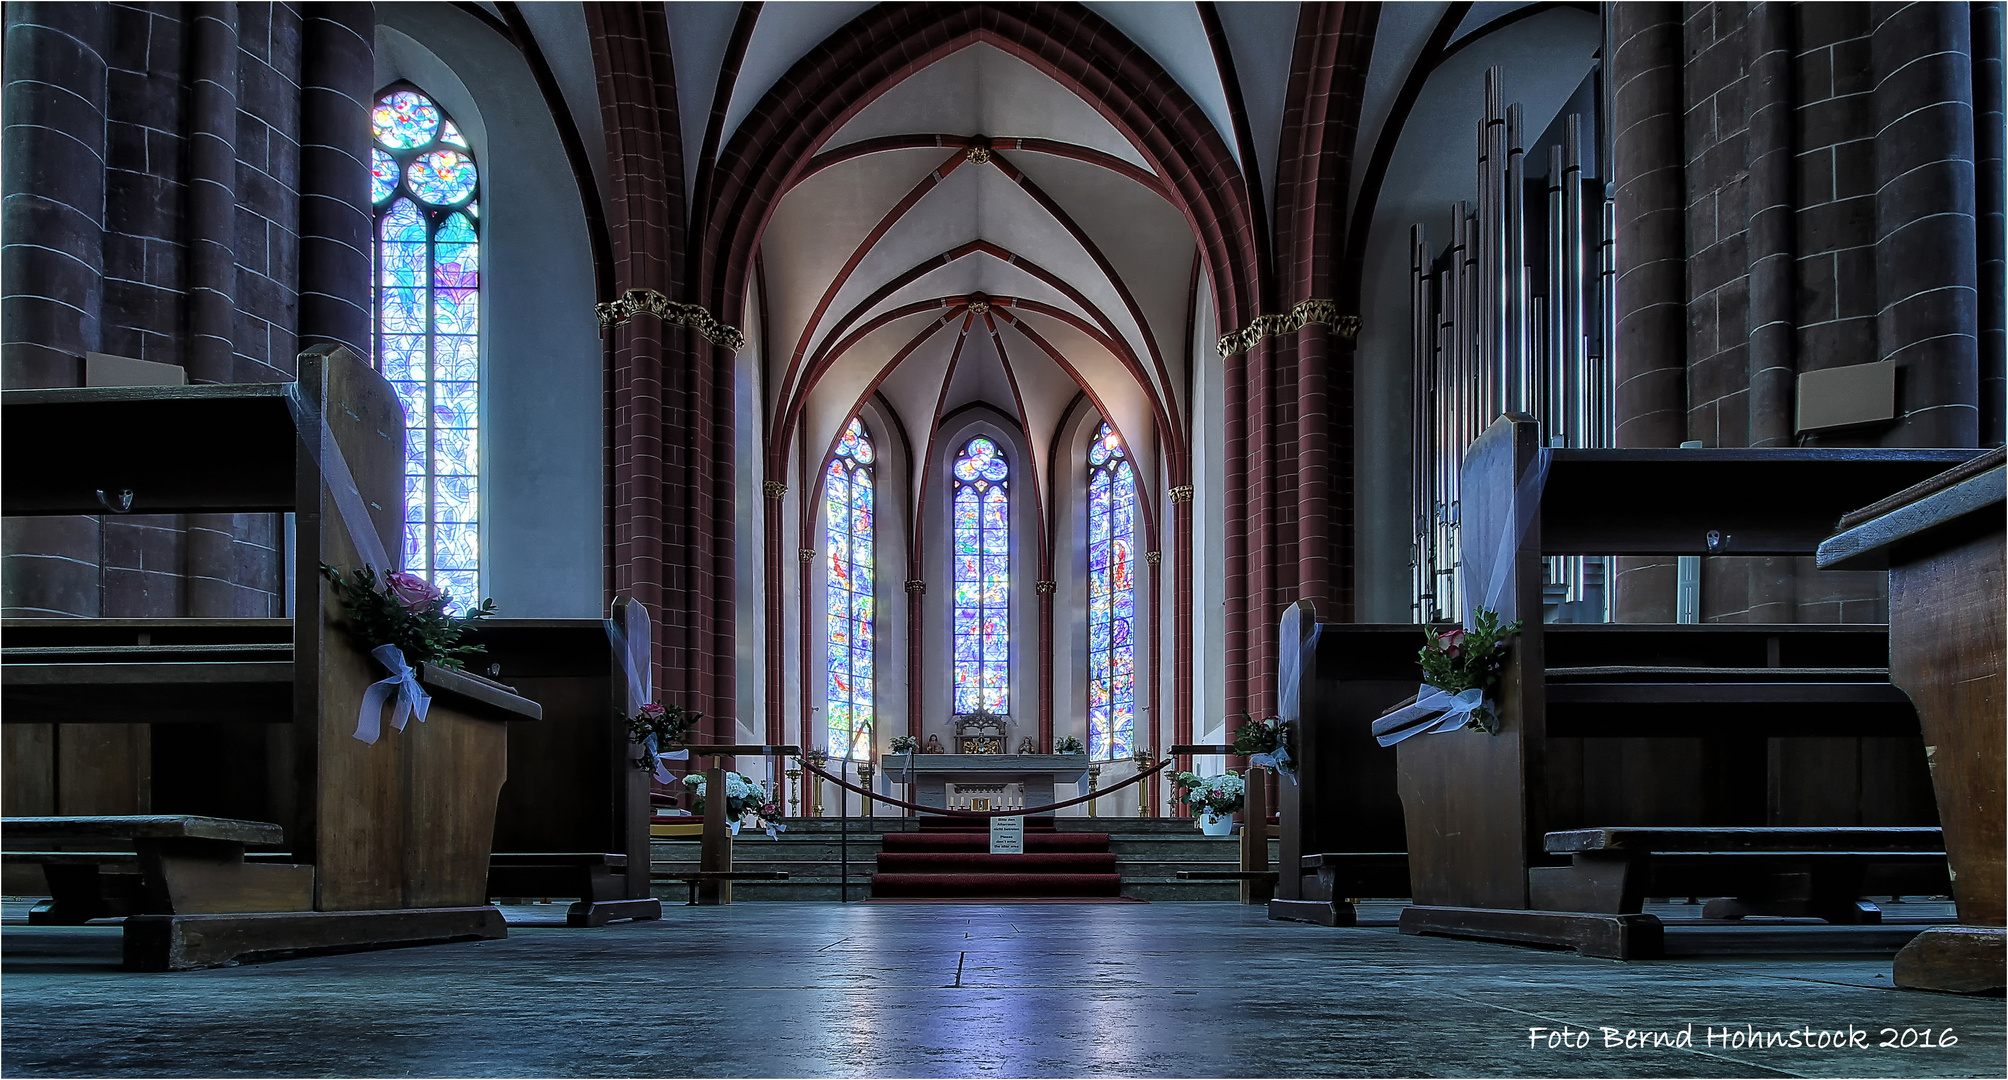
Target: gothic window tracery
(1111,598)
(981,526)
(848,514)
(424,187)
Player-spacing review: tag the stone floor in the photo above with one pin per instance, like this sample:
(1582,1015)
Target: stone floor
(900,990)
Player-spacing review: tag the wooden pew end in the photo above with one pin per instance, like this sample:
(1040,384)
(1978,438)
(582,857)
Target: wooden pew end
(186,942)
(1955,959)
(1611,937)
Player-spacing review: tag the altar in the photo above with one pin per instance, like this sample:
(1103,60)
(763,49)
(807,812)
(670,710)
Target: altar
(932,774)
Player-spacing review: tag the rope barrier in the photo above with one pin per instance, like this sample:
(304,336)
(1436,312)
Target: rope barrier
(1118,786)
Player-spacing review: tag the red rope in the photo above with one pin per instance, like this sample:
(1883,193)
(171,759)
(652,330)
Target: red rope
(1118,786)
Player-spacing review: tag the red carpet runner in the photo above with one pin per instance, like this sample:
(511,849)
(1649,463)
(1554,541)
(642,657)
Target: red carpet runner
(949,859)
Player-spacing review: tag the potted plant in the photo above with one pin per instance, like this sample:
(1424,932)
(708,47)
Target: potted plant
(1216,798)
(742,793)
(1069,744)
(905,744)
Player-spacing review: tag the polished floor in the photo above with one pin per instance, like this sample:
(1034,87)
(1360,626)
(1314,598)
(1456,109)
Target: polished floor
(901,990)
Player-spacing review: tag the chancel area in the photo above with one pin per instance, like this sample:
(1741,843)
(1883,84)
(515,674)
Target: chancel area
(1050,539)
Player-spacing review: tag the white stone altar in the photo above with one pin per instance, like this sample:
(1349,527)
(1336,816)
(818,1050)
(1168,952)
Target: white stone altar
(932,773)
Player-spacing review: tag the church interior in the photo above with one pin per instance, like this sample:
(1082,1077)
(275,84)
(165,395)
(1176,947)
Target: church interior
(1018,539)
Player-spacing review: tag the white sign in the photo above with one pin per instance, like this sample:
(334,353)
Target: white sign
(1007,836)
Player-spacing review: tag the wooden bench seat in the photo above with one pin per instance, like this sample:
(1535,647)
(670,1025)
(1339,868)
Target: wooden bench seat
(599,880)
(694,878)
(1814,873)
(180,865)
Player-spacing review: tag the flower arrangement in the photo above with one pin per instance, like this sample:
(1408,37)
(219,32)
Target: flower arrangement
(659,729)
(742,793)
(1266,742)
(1460,669)
(405,610)
(1069,744)
(1456,660)
(1215,795)
(905,744)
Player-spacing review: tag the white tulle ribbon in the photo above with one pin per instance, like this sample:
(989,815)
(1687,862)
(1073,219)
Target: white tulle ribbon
(1434,710)
(1279,761)
(775,829)
(318,440)
(412,700)
(640,676)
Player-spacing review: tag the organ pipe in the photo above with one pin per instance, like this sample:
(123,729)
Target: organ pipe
(1503,319)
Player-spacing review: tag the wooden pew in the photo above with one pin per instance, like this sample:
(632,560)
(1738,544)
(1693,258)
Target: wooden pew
(1479,806)
(397,832)
(573,819)
(1341,826)
(1941,541)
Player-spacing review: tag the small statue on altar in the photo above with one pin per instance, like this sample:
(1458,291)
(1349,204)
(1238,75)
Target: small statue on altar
(933,746)
(1028,745)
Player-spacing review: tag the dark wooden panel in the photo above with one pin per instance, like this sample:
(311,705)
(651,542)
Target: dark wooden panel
(179,449)
(409,820)
(1759,501)
(1474,802)
(28,785)
(103,769)
(1345,797)
(1947,644)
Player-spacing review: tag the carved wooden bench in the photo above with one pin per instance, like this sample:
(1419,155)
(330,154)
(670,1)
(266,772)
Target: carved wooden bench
(694,878)
(1816,873)
(600,881)
(180,864)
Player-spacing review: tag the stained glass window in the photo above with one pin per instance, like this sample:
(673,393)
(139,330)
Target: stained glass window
(847,510)
(982,526)
(1111,599)
(424,186)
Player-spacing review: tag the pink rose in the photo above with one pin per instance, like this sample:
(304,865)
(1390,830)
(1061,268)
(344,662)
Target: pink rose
(1450,642)
(652,711)
(413,592)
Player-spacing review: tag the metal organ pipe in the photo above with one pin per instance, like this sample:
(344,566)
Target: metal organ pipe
(1504,320)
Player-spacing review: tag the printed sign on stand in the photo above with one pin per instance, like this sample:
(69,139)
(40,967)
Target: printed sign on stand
(1007,836)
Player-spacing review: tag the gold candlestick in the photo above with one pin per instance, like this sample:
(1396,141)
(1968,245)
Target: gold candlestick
(1143,799)
(1094,777)
(865,771)
(794,793)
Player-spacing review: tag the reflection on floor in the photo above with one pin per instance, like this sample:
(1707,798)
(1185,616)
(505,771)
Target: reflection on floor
(813,989)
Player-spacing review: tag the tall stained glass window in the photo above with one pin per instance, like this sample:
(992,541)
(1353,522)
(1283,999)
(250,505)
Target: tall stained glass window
(424,187)
(1111,599)
(847,507)
(982,579)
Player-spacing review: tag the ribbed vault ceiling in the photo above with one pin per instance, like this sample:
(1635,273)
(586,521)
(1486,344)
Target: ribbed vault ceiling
(978,233)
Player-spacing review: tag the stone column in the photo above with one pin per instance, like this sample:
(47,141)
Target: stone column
(1644,42)
(1988,124)
(1927,285)
(1773,368)
(337,86)
(52,157)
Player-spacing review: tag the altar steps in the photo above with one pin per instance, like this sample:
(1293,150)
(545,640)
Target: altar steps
(1149,853)
(982,862)
(950,859)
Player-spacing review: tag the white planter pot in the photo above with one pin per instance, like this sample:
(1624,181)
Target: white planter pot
(1216,826)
